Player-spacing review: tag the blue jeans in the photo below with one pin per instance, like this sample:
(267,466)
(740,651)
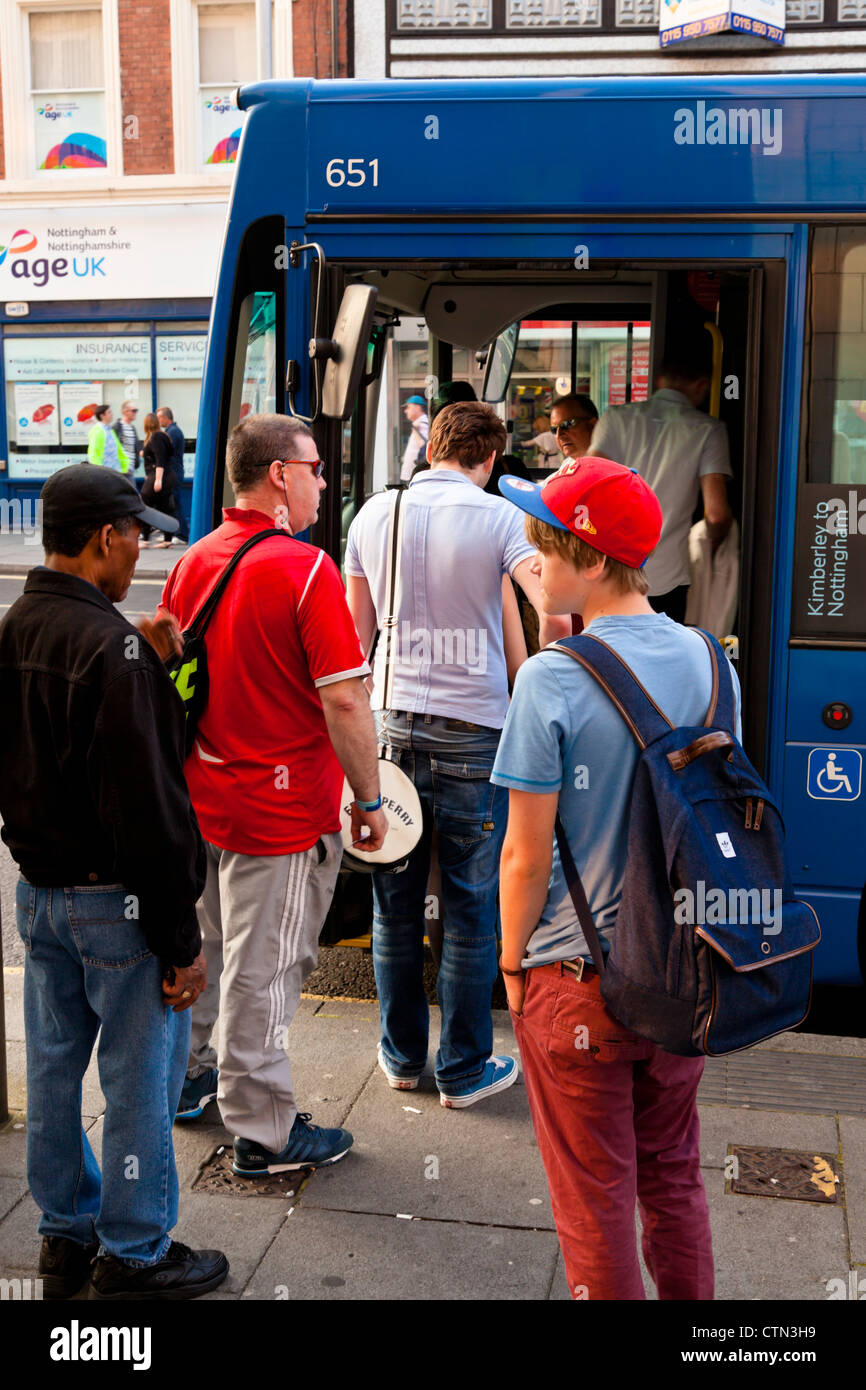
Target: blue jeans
(450,764)
(88,967)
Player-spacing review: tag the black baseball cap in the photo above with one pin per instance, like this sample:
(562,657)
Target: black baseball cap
(85,493)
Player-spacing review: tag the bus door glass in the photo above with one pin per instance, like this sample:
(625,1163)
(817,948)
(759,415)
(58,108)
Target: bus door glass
(825,805)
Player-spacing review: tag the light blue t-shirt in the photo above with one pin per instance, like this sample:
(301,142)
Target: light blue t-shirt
(563,733)
(457,543)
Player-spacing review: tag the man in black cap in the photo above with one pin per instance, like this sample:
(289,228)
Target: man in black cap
(97,815)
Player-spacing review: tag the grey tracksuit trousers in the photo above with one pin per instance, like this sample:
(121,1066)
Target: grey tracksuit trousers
(260,918)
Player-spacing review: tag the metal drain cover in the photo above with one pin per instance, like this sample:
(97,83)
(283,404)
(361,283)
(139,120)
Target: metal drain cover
(797,1176)
(215,1177)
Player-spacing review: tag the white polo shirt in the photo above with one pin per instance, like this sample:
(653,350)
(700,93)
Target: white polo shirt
(457,542)
(672,446)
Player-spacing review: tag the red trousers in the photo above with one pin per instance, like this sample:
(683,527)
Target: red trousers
(616,1122)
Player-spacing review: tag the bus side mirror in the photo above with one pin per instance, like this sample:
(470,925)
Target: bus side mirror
(346,352)
(500,360)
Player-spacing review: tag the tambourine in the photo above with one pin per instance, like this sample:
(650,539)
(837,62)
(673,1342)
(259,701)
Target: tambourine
(402,809)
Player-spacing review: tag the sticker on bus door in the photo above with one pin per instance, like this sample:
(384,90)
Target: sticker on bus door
(834,774)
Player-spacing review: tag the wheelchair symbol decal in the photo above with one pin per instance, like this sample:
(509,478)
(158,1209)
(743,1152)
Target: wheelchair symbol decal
(834,774)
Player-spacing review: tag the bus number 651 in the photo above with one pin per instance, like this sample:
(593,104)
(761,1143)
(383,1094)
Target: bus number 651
(352,172)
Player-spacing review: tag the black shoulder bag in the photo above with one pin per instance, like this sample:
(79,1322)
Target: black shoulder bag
(189,671)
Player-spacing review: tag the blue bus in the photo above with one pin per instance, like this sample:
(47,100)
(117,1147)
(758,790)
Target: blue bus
(563,231)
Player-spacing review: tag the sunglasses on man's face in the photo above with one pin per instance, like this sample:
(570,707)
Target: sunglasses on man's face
(317,465)
(575,420)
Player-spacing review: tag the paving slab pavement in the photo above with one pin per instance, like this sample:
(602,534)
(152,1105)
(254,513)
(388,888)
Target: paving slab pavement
(471,1180)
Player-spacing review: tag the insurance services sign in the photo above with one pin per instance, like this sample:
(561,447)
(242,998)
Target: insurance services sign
(110,252)
(680,20)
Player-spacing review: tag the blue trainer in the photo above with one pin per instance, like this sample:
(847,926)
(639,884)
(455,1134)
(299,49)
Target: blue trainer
(498,1074)
(309,1146)
(196,1094)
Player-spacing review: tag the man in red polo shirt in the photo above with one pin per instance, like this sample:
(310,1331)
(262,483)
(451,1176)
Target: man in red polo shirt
(287,715)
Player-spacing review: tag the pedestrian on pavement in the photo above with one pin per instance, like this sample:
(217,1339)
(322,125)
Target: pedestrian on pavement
(124,428)
(97,815)
(287,714)
(682,453)
(103,445)
(160,482)
(545,443)
(442,725)
(415,411)
(175,437)
(615,1117)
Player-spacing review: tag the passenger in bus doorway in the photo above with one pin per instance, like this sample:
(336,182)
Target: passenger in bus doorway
(440,706)
(572,422)
(682,453)
(287,714)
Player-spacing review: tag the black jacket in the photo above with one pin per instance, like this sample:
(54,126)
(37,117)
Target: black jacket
(92,788)
(157,453)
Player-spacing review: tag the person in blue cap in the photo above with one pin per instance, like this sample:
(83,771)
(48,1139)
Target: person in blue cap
(415,411)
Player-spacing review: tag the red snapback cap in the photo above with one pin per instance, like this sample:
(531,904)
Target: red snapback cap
(604,503)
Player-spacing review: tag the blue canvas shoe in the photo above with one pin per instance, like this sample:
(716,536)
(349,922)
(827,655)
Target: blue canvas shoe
(499,1073)
(196,1094)
(309,1146)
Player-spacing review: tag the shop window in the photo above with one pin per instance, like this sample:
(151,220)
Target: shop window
(179,367)
(226,59)
(443,14)
(53,385)
(557,357)
(67,90)
(554,14)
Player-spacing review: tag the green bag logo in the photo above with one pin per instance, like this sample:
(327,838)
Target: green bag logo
(182,678)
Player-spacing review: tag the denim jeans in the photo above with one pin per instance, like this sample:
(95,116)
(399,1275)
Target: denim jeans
(88,967)
(450,764)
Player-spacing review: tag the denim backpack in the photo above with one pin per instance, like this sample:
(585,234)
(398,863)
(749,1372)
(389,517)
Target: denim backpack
(711,952)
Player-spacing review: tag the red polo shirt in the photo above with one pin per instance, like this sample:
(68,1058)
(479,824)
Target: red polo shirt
(263,777)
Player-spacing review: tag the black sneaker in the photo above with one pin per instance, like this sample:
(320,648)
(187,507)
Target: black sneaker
(309,1146)
(181,1273)
(64,1266)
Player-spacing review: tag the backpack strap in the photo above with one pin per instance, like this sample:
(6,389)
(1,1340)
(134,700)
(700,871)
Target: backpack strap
(721,710)
(392,575)
(202,618)
(578,897)
(639,710)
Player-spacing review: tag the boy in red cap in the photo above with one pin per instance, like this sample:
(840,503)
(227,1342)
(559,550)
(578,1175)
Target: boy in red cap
(615,1117)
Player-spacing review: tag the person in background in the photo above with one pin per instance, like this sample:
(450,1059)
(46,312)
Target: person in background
(103,445)
(97,815)
(544,440)
(683,454)
(448,393)
(573,420)
(416,413)
(160,483)
(174,434)
(124,428)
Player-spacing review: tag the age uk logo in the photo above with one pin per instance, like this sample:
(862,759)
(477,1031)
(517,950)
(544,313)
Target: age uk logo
(22,242)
